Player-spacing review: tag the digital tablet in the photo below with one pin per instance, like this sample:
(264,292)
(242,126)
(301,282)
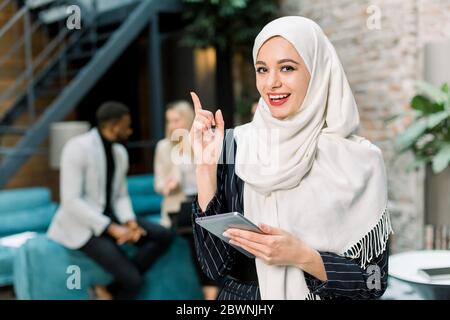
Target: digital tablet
(218,224)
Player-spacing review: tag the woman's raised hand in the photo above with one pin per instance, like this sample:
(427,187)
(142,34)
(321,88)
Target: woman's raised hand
(206,142)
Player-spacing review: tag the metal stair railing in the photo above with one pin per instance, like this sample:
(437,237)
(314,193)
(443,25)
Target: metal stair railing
(80,85)
(10,114)
(28,78)
(89,26)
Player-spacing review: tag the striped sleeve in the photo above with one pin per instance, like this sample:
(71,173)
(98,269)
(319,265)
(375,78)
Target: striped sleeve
(216,257)
(347,280)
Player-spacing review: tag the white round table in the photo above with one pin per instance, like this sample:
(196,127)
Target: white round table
(405,267)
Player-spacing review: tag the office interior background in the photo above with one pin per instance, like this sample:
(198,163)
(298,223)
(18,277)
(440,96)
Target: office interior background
(59,60)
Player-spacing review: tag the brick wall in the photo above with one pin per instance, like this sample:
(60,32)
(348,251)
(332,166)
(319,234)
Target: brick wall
(382,66)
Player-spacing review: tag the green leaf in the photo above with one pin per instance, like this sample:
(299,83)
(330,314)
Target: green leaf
(420,103)
(444,88)
(424,104)
(411,134)
(434,93)
(436,118)
(442,159)
(239,3)
(222,23)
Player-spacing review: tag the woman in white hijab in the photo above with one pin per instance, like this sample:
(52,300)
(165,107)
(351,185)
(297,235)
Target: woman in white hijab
(316,190)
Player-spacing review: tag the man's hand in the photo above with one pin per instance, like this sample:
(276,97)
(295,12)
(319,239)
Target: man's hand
(137,231)
(122,234)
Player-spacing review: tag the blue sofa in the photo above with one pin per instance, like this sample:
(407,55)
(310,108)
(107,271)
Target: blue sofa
(21,210)
(145,200)
(31,209)
(38,268)
(41,275)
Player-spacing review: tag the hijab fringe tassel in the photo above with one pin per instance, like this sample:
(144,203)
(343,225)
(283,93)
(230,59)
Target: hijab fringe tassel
(373,243)
(312,296)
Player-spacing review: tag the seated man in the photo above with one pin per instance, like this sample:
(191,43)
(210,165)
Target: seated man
(96,215)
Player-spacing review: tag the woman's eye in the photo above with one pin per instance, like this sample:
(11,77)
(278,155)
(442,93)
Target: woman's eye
(287,68)
(261,70)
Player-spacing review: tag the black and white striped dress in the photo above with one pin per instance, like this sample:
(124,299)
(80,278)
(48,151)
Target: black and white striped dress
(345,278)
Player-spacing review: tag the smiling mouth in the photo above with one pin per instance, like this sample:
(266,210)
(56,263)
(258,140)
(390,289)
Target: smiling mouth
(278,99)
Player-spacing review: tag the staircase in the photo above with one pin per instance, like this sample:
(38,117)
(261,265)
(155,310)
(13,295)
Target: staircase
(46,69)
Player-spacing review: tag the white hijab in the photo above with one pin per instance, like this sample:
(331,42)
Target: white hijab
(316,179)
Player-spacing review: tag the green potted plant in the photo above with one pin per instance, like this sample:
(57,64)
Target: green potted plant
(428,136)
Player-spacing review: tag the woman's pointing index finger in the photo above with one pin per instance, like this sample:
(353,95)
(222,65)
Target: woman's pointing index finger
(196,101)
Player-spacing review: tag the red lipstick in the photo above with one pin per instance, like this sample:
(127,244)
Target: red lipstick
(278,99)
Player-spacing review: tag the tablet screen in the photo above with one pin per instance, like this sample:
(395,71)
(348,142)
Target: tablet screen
(218,224)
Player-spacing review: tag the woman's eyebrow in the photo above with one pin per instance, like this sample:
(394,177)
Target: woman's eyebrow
(287,60)
(278,62)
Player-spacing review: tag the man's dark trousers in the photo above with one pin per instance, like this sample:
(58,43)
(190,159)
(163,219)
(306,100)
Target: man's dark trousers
(128,272)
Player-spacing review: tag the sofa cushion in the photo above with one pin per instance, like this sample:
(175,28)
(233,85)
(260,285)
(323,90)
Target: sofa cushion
(155,218)
(146,204)
(31,219)
(23,199)
(6,265)
(141,184)
(40,267)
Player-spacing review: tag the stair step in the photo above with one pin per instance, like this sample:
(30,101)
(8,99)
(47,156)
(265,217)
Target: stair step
(5,151)
(12,130)
(53,14)
(9,150)
(35,4)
